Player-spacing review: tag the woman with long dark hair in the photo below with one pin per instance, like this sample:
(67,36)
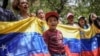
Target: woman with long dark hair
(94,19)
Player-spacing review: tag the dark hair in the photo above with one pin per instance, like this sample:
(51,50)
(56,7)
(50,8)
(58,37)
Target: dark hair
(5,3)
(85,22)
(51,16)
(90,18)
(96,22)
(15,4)
(90,21)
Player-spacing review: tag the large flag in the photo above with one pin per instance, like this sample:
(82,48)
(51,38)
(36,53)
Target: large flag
(24,38)
(80,42)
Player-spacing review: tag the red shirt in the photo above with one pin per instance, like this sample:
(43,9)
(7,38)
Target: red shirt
(54,41)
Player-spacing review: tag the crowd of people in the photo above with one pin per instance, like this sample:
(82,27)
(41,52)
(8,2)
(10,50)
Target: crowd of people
(52,37)
(22,8)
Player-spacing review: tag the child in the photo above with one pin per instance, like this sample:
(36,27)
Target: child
(52,36)
(82,22)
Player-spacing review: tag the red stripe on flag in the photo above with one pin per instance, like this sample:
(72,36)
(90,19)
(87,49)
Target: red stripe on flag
(69,53)
(95,52)
(40,54)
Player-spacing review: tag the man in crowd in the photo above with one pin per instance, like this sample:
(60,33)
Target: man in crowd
(5,14)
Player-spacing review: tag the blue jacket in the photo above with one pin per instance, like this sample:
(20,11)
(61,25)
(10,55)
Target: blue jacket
(7,15)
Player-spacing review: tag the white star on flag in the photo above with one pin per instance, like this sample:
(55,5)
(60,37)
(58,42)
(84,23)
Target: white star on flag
(9,54)
(94,47)
(3,47)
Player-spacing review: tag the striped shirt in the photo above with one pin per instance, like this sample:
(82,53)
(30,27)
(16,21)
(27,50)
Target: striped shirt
(54,40)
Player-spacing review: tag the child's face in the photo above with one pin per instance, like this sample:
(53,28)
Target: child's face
(82,22)
(52,22)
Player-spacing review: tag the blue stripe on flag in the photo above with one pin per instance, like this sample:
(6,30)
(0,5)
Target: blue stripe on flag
(77,46)
(22,44)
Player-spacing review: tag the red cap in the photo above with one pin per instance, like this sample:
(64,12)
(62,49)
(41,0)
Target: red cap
(70,14)
(51,14)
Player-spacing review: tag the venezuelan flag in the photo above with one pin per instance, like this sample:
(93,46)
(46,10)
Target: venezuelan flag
(85,44)
(77,44)
(22,38)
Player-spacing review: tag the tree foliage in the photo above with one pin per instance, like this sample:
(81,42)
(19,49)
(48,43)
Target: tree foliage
(80,7)
(95,6)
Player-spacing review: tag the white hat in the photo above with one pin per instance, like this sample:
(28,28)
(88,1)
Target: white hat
(70,14)
(81,17)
